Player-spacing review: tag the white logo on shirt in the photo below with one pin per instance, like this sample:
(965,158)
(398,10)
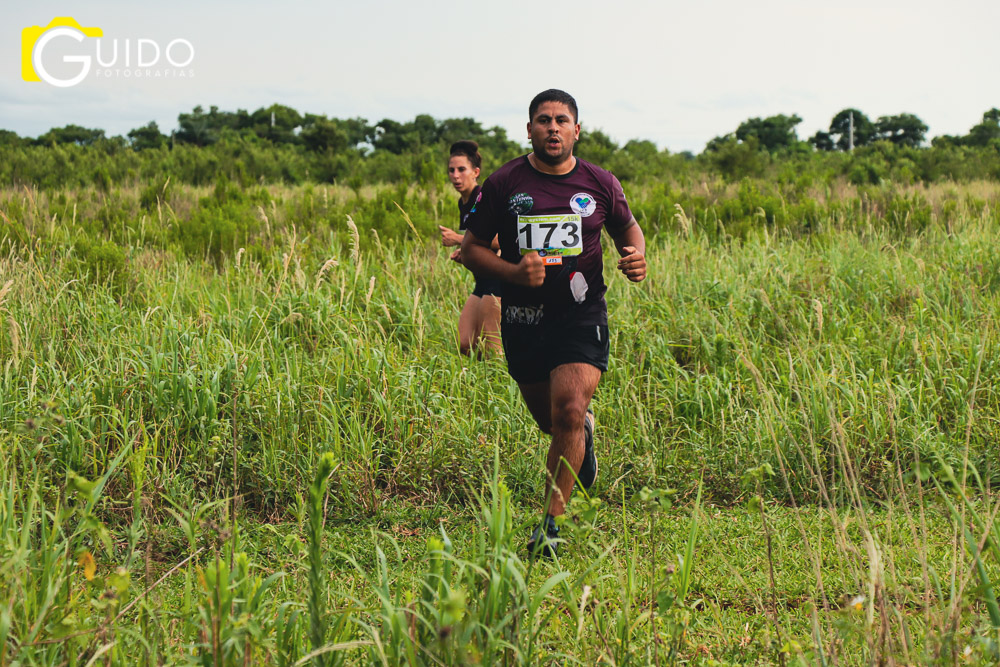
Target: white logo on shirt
(583,203)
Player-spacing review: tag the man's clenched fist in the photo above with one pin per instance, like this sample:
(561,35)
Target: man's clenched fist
(530,271)
(632,264)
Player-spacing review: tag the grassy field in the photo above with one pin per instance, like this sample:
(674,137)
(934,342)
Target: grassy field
(234,429)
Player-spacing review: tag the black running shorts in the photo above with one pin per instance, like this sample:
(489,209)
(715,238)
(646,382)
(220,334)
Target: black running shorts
(487,286)
(533,351)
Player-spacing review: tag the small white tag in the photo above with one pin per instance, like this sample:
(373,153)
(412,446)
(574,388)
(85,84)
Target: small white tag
(578,286)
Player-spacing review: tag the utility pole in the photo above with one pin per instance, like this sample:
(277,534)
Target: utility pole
(272,119)
(850,131)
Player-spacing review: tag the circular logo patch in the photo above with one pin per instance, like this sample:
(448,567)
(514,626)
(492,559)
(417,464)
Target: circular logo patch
(520,203)
(583,204)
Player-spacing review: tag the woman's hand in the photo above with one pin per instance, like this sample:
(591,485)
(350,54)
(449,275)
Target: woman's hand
(449,237)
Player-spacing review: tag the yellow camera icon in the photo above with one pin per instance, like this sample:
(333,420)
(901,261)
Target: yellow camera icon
(29,36)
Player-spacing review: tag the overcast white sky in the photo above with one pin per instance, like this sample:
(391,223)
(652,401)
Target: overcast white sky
(678,73)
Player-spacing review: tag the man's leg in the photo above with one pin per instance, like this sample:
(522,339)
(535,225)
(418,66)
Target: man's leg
(562,399)
(571,386)
(538,398)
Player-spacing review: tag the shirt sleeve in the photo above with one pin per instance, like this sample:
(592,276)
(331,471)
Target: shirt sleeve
(619,214)
(483,220)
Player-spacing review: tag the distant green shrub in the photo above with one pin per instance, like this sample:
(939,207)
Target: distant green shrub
(104,263)
(214,231)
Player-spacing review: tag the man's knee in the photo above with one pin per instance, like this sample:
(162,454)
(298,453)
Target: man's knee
(568,414)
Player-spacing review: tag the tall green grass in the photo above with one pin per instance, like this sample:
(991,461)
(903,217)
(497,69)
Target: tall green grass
(268,450)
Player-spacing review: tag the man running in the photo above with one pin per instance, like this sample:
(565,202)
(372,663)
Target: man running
(547,209)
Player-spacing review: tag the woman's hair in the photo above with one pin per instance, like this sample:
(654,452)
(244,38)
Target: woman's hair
(469,149)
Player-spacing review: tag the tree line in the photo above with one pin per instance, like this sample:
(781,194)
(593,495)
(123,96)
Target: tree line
(905,129)
(279,144)
(280,124)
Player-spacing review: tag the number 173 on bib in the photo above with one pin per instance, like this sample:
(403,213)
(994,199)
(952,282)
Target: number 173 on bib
(552,236)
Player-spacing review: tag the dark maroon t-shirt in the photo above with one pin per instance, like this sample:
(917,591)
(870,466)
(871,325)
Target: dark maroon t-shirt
(595,194)
(466,208)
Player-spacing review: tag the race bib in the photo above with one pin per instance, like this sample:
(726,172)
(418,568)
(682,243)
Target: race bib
(553,236)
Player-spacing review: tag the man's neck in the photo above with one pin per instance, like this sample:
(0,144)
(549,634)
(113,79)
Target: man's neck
(563,167)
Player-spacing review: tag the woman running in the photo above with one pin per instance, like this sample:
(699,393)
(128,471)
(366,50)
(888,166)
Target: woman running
(479,322)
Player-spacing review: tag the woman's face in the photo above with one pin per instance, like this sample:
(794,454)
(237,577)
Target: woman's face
(462,174)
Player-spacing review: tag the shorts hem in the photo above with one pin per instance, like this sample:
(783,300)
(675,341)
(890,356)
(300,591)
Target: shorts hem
(487,287)
(532,354)
(524,379)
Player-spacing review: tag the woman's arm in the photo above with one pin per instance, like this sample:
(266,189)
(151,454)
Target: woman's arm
(449,237)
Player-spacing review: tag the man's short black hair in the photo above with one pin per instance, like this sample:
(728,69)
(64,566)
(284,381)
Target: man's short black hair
(553,95)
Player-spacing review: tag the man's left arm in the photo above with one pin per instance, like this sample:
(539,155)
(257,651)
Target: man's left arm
(631,245)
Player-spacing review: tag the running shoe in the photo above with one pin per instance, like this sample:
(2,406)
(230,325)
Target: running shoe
(544,539)
(588,469)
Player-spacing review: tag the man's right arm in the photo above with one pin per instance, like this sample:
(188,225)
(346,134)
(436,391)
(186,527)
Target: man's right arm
(481,259)
(478,255)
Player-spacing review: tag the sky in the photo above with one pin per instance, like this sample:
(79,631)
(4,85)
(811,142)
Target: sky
(677,73)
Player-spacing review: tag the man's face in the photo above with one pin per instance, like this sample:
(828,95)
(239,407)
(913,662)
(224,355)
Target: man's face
(553,132)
